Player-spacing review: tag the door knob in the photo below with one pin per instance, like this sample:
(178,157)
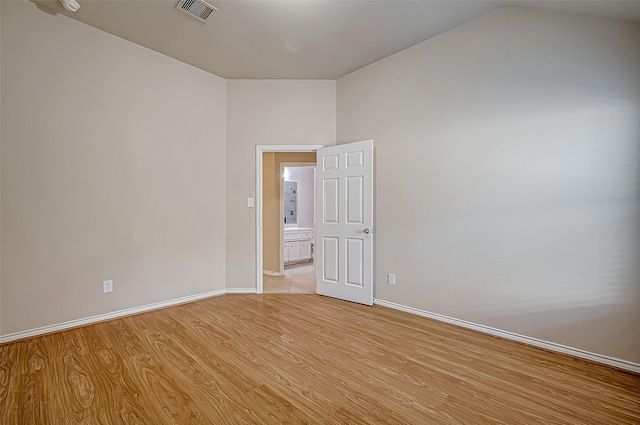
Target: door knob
(367,231)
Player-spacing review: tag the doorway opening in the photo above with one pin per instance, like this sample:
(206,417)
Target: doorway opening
(297,217)
(279,260)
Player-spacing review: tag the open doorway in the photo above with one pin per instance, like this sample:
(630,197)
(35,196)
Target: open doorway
(297,201)
(286,265)
(343,234)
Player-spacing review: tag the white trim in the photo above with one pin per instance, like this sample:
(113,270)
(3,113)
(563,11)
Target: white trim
(240,291)
(270,273)
(120,313)
(599,358)
(260,149)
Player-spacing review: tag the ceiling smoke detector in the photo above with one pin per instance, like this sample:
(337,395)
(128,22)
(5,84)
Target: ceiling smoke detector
(70,5)
(197,8)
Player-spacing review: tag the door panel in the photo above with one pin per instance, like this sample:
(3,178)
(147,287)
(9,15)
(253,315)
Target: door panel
(355,262)
(330,195)
(345,219)
(330,259)
(355,200)
(355,159)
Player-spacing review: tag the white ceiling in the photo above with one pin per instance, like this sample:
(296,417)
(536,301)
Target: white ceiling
(314,39)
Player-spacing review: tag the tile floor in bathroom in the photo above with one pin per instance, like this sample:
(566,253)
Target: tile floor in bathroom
(298,279)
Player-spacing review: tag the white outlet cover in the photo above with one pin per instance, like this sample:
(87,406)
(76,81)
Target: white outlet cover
(392,279)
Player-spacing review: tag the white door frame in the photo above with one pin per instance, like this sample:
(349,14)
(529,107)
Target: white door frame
(260,149)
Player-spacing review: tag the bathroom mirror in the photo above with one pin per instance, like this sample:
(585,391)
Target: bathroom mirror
(290,203)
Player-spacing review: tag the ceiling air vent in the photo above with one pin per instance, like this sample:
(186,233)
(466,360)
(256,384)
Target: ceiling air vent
(196,8)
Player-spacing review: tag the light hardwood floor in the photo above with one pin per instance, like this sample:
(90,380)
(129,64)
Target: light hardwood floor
(275,359)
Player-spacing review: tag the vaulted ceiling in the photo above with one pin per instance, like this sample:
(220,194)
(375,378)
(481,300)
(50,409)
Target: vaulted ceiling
(312,39)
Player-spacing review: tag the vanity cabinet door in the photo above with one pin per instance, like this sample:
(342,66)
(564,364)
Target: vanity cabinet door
(305,250)
(286,251)
(294,251)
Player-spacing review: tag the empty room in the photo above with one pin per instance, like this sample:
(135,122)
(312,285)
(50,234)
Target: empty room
(319,212)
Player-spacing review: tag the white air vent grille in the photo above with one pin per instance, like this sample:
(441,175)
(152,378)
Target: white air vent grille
(196,8)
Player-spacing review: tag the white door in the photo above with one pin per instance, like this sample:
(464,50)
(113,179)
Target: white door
(344,228)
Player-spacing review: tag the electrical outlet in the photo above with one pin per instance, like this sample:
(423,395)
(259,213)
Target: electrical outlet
(107,286)
(391,279)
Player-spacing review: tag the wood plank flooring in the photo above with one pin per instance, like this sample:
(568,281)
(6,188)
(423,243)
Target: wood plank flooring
(295,359)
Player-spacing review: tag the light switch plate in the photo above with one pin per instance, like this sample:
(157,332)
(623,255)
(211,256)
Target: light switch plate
(107,286)
(251,202)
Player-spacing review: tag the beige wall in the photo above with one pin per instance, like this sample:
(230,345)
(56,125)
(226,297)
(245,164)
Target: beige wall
(270,213)
(266,112)
(508,170)
(113,167)
(271,163)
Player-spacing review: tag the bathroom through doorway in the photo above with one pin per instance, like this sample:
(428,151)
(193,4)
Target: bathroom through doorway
(287,222)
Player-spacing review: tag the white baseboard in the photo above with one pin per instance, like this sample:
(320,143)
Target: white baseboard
(240,290)
(270,273)
(610,361)
(120,313)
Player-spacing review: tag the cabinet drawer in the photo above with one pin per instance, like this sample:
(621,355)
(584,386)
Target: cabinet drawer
(306,235)
(292,236)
